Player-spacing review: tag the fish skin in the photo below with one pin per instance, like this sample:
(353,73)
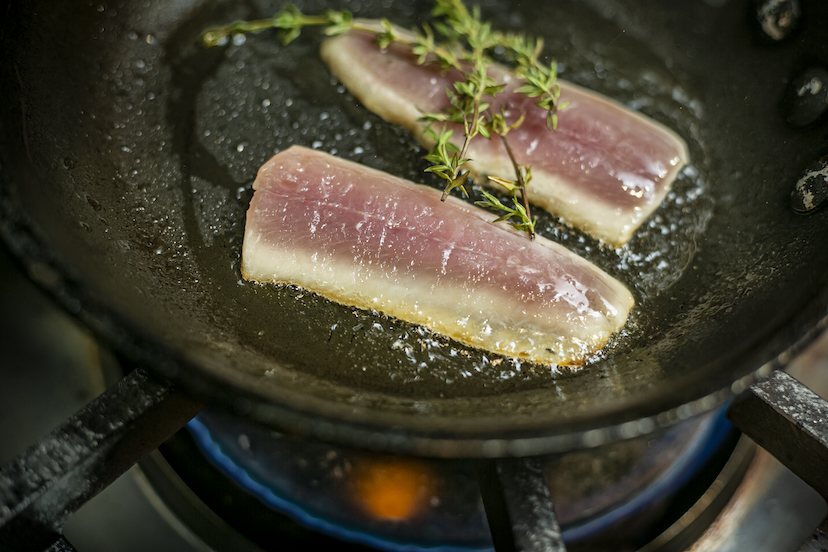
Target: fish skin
(604,170)
(367,239)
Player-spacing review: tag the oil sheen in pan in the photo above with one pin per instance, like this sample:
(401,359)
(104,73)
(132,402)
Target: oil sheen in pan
(263,97)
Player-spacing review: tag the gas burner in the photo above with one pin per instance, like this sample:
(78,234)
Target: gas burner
(402,503)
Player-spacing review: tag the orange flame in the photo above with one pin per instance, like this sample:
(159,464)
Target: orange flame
(392,488)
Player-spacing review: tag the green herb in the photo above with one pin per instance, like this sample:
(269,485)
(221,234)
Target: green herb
(290,22)
(465,45)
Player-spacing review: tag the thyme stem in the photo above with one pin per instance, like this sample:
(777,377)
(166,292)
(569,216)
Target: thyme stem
(464,150)
(521,183)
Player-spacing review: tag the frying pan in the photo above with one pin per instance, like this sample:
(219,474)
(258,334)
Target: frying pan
(127,157)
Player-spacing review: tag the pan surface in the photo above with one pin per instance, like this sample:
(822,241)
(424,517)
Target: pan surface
(128,154)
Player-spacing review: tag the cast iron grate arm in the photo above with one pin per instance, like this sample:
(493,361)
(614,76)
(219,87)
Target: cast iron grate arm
(44,486)
(518,505)
(791,422)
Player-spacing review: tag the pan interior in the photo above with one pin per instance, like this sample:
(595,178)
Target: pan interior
(132,150)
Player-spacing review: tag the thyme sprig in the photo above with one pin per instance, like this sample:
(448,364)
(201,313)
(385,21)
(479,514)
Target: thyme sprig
(290,21)
(465,44)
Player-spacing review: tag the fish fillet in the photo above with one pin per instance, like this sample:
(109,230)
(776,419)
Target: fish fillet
(604,170)
(367,239)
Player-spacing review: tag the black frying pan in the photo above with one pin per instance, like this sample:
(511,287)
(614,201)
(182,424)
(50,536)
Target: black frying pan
(128,150)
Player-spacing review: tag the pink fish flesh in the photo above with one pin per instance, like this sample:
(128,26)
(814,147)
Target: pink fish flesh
(604,170)
(367,239)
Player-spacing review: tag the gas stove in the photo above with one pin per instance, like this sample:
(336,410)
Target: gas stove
(204,490)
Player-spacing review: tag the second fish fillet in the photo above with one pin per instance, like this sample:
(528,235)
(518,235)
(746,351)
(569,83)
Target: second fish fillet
(604,170)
